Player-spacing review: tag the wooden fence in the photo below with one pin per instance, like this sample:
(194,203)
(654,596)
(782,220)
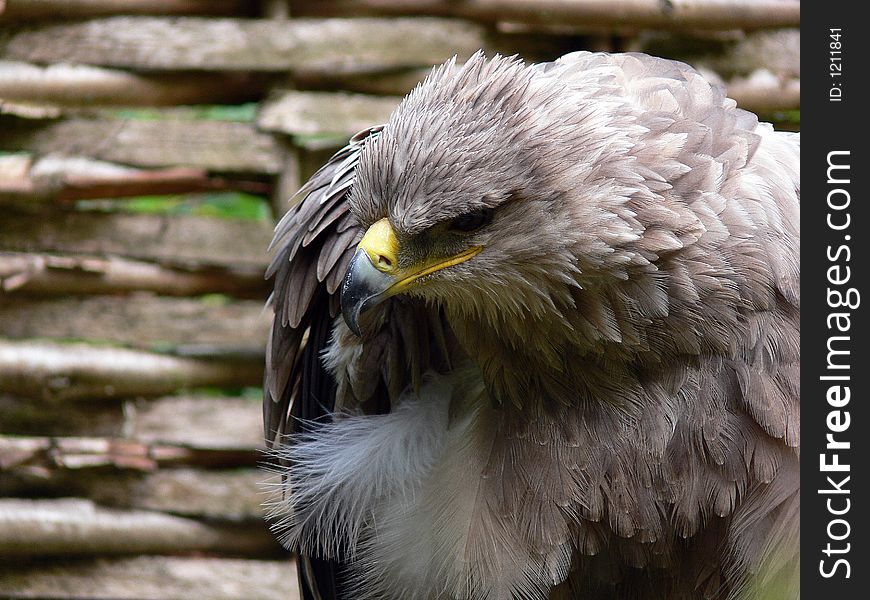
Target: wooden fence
(146,149)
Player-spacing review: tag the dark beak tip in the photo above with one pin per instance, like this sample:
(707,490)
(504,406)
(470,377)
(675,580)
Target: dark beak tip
(349,307)
(362,288)
(352,322)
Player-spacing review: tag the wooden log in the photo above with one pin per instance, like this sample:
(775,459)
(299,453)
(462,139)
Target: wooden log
(16,451)
(38,274)
(139,321)
(224,485)
(288,182)
(223,494)
(29,454)
(67,371)
(202,422)
(26,181)
(276,9)
(77,9)
(736,54)
(151,578)
(233,113)
(543,43)
(246,44)
(764,93)
(192,421)
(40,455)
(582,14)
(310,113)
(79,527)
(778,51)
(213,145)
(174,240)
(29,417)
(85,85)
(388,83)
(14,175)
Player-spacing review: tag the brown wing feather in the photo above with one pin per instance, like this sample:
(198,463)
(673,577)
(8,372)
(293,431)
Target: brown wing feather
(308,250)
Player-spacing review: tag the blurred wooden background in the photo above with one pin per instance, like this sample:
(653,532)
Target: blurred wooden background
(146,149)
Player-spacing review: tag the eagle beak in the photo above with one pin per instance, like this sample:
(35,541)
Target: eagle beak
(371,273)
(374,274)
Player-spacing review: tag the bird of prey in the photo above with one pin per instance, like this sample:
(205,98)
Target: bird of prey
(536,337)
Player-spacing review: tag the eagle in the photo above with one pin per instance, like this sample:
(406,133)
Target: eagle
(537,337)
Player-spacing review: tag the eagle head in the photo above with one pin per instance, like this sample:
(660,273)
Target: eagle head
(493,190)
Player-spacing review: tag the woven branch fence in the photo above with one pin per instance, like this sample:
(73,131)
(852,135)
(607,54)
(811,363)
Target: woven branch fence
(147,148)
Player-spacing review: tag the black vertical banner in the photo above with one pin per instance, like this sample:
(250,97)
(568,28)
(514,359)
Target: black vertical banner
(835,259)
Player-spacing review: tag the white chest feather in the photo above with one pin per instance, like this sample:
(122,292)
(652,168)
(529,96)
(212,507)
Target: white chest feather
(405,494)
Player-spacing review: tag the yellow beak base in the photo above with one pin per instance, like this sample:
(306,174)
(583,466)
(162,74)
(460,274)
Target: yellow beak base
(374,273)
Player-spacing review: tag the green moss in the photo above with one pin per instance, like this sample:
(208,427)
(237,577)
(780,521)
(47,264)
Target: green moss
(245,113)
(249,393)
(231,205)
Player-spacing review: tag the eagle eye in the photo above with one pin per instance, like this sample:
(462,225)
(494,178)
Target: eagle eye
(471,221)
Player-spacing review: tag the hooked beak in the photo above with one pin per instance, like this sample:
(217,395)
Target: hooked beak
(374,274)
(364,287)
